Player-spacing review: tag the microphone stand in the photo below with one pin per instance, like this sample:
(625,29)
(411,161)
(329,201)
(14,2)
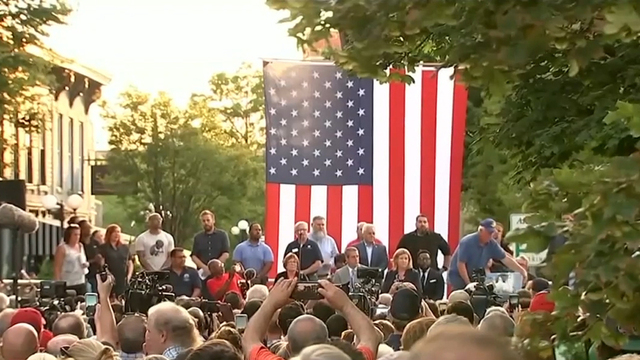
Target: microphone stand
(17,249)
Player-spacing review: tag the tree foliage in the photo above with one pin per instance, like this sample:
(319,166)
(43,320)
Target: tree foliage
(158,157)
(23,25)
(545,69)
(233,110)
(559,102)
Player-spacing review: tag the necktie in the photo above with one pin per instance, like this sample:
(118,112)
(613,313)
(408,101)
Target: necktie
(353,278)
(424,278)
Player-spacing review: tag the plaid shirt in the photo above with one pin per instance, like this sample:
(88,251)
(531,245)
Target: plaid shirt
(134,356)
(172,352)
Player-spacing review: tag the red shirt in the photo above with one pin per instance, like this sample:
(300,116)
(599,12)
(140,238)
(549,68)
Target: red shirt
(214,284)
(262,353)
(355,242)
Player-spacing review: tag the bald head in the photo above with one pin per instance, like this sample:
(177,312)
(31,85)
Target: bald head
(19,342)
(306,330)
(216,267)
(5,320)
(54,345)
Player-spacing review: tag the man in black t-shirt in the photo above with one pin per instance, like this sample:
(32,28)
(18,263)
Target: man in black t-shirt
(425,239)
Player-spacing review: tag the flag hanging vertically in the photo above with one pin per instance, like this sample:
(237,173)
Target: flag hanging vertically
(352,149)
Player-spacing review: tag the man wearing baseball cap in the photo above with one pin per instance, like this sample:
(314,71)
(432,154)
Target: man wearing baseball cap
(474,252)
(33,317)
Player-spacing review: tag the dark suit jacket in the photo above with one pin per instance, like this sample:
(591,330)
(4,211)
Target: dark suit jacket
(433,287)
(379,256)
(412,276)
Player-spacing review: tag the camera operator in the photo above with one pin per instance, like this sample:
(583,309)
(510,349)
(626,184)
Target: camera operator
(184,280)
(474,252)
(219,283)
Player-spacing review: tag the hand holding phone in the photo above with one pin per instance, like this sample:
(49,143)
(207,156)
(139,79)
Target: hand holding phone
(306,290)
(90,300)
(241,321)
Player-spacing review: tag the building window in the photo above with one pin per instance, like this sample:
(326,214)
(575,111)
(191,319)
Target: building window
(58,146)
(81,156)
(70,154)
(29,148)
(43,158)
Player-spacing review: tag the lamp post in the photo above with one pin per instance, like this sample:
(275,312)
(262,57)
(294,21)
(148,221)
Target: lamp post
(240,229)
(57,208)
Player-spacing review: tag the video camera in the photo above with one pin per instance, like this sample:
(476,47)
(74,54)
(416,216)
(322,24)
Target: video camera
(483,296)
(53,299)
(366,291)
(146,289)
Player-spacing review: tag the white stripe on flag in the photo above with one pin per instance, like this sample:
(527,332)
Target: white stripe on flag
(287,220)
(318,202)
(412,148)
(444,129)
(381,161)
(349,214)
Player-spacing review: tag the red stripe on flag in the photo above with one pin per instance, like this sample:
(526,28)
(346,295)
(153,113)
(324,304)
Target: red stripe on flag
(457,155)
(397,92)
(272,223)
(303,203)
(334,214)
(428,146)
(365,204)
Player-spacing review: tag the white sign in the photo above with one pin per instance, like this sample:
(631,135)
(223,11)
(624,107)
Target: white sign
(517,221)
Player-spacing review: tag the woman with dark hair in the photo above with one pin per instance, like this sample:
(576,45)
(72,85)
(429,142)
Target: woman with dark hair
(70,262)
(91,250)
(118,258)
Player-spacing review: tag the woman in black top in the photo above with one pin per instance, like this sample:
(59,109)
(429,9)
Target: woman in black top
(403,271)
(291,267)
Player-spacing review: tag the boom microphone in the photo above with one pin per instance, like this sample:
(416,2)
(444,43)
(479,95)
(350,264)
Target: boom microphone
(13,217)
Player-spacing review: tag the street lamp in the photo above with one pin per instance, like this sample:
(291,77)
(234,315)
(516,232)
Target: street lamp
(57,207)
(74,202)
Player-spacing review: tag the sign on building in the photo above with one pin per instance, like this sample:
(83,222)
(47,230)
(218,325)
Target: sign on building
(517,221)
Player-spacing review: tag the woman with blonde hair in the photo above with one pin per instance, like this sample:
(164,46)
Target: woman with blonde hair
(402,271)
(88,349)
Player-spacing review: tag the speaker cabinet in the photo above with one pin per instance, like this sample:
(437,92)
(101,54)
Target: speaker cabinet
(14,192)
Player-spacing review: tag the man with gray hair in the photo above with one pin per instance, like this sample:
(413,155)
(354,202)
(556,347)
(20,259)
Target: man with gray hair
(306,330)
(359,238)
(497,323)
(170,330)
(446,322)
(257,292)
(326,243)
(308,252)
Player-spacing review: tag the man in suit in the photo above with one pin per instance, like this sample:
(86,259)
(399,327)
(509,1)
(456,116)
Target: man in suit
(348,273)
(431,279)
(372,254)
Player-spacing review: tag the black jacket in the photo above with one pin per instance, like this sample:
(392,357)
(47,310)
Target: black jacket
(411,276)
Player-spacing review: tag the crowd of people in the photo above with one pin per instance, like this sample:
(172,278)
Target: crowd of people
(228,314)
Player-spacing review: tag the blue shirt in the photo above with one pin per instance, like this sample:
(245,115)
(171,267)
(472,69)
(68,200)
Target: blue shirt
(253,255)
(475,256)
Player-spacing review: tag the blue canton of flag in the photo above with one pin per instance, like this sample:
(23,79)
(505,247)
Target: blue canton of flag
(319,125)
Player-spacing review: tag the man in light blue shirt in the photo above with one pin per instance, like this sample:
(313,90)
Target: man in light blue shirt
(474,252)
(255,254)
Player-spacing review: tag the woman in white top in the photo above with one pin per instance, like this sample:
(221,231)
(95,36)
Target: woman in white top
(70,263)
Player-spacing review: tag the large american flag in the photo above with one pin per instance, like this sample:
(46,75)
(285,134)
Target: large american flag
(352,149)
